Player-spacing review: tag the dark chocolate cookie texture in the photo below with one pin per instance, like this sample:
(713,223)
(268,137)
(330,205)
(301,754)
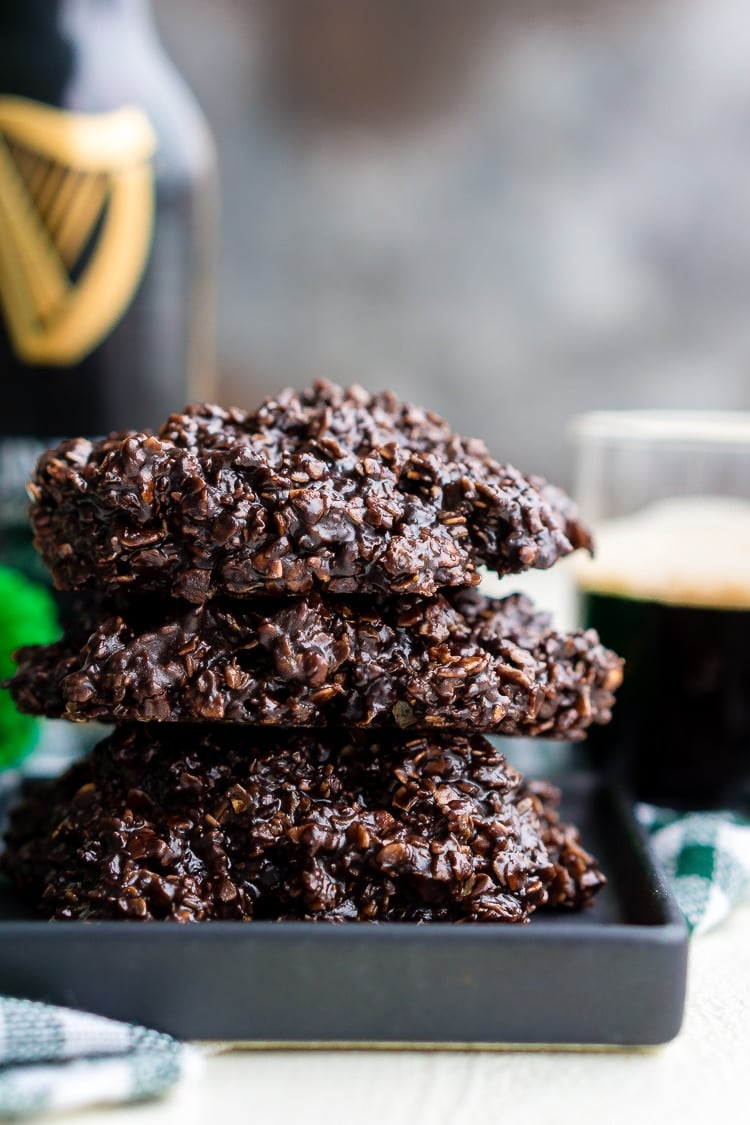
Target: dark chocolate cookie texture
(189,824)
(453,660)
(330,488)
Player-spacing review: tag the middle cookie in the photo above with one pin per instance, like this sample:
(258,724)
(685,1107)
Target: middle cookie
(453,660)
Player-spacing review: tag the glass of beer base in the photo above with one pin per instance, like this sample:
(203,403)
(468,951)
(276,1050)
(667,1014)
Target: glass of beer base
(668,496)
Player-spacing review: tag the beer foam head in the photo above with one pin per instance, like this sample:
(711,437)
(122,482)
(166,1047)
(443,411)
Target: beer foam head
(689,551)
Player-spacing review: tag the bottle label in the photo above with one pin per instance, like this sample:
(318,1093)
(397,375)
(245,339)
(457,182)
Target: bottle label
(76,221)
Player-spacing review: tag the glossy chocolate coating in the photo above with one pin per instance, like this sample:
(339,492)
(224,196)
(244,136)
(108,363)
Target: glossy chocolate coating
(191,824)
(331,489)
(453,660)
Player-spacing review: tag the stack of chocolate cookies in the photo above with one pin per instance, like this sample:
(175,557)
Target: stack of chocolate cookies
(278,611)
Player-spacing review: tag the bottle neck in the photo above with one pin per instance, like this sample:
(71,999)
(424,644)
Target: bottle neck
(84,20)
(72,17)
(48,48)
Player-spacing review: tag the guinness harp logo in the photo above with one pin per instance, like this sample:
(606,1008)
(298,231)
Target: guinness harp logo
(76,215)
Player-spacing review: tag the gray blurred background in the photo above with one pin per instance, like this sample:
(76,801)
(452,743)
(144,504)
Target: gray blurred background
(507,212)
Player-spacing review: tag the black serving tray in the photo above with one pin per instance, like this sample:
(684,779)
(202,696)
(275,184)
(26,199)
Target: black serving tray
(614,974)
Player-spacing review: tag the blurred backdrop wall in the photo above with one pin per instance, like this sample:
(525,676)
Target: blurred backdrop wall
(507,212)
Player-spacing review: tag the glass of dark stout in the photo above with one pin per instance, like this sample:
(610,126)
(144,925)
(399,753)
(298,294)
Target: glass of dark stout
(668,496)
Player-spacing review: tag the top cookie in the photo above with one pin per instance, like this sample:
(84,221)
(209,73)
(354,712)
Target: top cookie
(328,488)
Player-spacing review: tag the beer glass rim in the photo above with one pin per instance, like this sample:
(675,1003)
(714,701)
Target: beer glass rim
(712,427)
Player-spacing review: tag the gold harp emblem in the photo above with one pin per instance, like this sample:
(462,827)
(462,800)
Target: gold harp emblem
(76,218)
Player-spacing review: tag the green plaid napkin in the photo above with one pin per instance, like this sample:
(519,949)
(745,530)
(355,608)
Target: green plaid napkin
(55,1058)
(705,856)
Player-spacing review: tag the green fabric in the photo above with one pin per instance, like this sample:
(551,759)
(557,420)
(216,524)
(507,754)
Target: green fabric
(706,858)
(56,1059)
(27,616)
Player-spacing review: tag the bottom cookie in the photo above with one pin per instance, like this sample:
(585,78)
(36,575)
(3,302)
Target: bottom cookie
(196,823)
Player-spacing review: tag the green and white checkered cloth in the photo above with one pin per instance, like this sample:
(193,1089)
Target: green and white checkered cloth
(55,1058)
(705,856)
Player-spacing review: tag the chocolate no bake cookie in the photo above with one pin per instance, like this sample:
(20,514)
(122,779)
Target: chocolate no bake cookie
(241,576)
(334,489)
(190,824)
(453,660)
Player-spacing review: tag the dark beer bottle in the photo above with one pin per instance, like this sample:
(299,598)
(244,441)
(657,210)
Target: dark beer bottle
(106,223)
(106,253)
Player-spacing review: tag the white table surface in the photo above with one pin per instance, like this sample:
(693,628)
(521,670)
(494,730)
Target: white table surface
(700,1077)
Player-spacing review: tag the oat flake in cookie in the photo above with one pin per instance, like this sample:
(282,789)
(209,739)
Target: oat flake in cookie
(329,488)
(172,822)
(454,660)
